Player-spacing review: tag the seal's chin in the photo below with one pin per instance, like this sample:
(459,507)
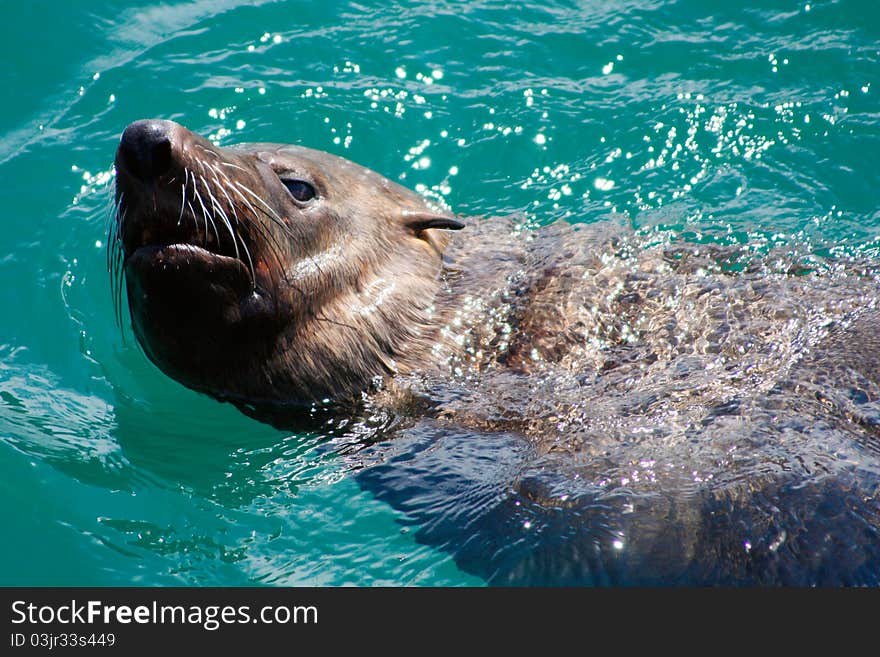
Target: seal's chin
(190,307)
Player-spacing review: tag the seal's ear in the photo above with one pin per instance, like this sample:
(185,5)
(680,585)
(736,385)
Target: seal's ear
(419,221)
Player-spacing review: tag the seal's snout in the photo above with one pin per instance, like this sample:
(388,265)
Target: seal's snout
(145,150)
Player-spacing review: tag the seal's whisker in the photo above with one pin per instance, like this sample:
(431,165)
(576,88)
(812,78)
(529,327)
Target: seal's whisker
(226,222)
(198,198)
(275,249)
(255,223)
(192,213)
(112,248)
(275,253)
(236,192)
(213,205)
(236,237)
(114,236)
(117,298)
(222,188)
(117,261)
(217,208)
(183,194)
(112,223)
(234,166)
(120,208)
(205,214)
(246,202)
(250,263)
(274,246)
(208,151)
(261,202)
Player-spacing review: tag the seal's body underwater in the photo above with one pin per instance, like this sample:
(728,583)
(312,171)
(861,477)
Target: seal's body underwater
(602,407)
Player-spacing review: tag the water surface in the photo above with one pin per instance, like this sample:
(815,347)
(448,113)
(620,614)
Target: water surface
(696,121)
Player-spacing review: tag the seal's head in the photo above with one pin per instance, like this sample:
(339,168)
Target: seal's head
(272,274)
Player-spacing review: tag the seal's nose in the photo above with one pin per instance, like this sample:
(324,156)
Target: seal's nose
(145,148)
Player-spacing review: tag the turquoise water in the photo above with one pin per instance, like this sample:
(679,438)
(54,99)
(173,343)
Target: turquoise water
(709,120)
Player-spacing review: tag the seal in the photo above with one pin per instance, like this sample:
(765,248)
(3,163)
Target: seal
(268,274)
(594,405)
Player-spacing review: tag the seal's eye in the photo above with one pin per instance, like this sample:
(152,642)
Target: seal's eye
(300,190)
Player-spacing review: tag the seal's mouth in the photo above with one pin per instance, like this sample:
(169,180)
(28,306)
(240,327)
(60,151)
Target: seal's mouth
(184,243)
(184,253)
(177,261)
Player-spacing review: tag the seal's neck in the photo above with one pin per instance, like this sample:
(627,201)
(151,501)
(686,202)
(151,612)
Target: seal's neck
(439,308)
